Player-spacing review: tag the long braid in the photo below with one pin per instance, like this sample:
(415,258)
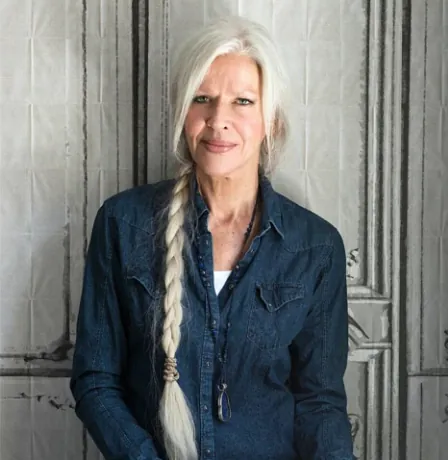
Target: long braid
(175,416)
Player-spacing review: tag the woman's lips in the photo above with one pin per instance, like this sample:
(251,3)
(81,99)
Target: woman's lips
(218,146)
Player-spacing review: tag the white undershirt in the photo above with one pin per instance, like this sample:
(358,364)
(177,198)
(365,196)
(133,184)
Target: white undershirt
(220,279)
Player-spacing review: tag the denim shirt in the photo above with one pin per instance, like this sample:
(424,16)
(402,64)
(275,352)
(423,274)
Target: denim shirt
(283,309)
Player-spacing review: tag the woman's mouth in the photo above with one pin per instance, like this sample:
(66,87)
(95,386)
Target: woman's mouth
(218,146)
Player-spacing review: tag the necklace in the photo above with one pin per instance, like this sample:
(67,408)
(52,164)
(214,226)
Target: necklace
(251,223)
(224,407)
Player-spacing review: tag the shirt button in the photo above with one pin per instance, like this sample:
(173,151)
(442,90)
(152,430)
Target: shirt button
(237,267)
(214,323)
(205,408)
(231,286)
(207,363)
(208,452)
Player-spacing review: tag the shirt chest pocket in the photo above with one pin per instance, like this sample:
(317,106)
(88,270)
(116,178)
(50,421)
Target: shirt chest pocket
(276,314)
(147,299)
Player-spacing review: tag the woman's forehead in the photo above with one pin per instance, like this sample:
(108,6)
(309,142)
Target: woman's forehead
(240,73)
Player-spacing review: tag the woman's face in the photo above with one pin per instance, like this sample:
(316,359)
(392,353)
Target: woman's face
(224,127)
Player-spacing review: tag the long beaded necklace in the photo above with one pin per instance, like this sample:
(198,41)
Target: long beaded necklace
(224,407)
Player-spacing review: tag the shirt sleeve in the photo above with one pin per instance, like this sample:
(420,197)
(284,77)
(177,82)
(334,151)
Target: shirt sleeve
(319,359)
(100,355)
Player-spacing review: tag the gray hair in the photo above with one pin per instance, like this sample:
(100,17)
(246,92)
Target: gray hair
(229,35)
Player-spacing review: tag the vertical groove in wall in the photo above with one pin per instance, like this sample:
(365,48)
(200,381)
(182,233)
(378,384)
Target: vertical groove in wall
(66,288)
(66,272)
(421,422)
(379,237)
(401,349)
(422,345)
(84,123)
(444,88)
(117,96)
(164,125)
(364,268)
(84,443)
(140,65)
(368,412)
(31,170)
(387,376)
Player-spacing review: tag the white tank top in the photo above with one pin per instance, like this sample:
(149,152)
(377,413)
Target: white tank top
(220,279)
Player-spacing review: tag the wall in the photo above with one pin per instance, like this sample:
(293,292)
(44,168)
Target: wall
(84,113)
(66,142)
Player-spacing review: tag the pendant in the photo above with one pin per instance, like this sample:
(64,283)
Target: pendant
(224,410)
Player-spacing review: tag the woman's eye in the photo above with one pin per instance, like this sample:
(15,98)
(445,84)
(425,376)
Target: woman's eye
(200,99)
(244,101)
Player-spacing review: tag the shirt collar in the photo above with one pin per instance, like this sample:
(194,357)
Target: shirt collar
(271,207)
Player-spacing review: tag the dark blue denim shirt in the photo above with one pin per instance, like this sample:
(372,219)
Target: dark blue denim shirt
(285,306)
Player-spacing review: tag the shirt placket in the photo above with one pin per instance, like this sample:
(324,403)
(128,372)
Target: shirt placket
(205,264)
(215,324)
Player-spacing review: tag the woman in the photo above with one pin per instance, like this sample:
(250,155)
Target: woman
(213,319)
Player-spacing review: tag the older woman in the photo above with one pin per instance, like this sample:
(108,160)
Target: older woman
(213,319)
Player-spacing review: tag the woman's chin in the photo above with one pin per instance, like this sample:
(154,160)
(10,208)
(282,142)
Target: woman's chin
(216,168)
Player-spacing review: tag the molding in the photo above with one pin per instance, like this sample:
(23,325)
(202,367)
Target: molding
(378,410)
(421,311)
(429,373)
(381,278)
(32,366)
(151,91)
(140,45)
(375,270)
(357,292)
(417,146)
(382,149)
(428,418)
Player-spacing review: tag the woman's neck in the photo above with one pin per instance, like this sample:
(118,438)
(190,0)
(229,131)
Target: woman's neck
(229,198)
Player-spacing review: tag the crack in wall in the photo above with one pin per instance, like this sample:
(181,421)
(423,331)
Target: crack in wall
(51,400)
(58,351)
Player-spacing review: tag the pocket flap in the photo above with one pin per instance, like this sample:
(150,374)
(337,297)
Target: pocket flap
(275,296)
(143,277)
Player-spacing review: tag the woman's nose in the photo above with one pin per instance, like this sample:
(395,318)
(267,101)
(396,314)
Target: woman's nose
(218,116)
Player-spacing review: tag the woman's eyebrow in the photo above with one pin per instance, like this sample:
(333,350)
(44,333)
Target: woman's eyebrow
(238,93)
